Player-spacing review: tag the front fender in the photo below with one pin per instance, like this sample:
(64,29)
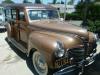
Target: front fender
(45,44)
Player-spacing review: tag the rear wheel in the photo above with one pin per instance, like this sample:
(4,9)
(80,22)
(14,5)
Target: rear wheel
(39,63)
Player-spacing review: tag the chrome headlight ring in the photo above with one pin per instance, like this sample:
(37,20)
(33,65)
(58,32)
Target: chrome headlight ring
(59,52)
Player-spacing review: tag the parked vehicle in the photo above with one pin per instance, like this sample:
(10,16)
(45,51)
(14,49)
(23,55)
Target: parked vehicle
(49,42)
(2,17)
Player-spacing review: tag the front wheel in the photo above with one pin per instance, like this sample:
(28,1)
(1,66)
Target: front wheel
(39,63)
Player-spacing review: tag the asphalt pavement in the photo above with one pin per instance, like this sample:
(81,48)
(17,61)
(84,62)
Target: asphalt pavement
(10,62)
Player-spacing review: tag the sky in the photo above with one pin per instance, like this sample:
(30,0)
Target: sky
(44,1)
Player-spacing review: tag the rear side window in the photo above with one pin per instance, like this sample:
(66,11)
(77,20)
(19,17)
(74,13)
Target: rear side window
(21,15)
(8,14)
(13,13)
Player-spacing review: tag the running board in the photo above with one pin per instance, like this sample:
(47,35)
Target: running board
(18,45)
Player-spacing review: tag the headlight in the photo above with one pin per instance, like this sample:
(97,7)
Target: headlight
(59,52)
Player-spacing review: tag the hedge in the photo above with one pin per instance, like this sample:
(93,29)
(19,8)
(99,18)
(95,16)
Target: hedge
(72,16)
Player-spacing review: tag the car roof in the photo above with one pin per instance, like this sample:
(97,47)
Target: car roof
(28,5)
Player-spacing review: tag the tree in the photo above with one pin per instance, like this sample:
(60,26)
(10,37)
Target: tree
(82,1)
(7,1)
(26,1)
(92,15)
(54,1)
(71,2)
(38,1)
(79,9)
(97,0)
(92,11)
(62,2)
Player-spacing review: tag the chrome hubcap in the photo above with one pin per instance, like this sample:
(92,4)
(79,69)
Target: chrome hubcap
(39,64)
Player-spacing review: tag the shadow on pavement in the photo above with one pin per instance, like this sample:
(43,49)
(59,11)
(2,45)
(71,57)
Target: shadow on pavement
(23,56)
(18,52)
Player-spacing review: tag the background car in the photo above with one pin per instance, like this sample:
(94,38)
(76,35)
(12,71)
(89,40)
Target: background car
(2,18)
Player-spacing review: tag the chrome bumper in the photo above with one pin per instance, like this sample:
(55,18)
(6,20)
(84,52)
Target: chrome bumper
(71,70)
(75,69)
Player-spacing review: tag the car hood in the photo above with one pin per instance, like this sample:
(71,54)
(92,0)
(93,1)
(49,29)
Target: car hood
(60,27)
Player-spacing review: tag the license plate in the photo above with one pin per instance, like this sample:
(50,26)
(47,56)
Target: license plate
(61,62)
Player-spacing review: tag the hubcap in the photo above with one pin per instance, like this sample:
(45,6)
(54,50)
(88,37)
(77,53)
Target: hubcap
(39,63)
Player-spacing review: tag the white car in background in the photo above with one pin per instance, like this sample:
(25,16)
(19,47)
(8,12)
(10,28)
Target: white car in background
(2,18)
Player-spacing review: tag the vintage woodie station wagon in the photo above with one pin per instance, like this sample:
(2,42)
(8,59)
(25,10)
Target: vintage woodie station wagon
(49,42)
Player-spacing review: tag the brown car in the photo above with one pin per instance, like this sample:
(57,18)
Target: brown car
(49,42)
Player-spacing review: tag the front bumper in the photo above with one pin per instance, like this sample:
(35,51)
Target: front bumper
(71,70)
(75,69)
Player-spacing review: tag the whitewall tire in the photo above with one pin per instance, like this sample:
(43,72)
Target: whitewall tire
(39,63)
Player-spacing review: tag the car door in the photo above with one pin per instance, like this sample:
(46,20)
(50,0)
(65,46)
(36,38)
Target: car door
(11,17)
(23,30)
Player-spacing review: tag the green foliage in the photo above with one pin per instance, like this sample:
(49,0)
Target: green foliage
(82,1)
(62,2)
(97,0)
(54,1)
(7,1)
(38,1)
(79,9)
(72,16)
(94,12)
(26,1)
(71,2)
(94,26)
(93,15)
(97,24)
(91,26)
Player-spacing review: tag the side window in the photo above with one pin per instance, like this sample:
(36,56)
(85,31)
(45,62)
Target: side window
(13,13)
(33,15)
(8,14)
(21,15)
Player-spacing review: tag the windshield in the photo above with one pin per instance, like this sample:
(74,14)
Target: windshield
(42,14)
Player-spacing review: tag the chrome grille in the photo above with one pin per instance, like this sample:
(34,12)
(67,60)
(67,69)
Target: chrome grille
(76,53)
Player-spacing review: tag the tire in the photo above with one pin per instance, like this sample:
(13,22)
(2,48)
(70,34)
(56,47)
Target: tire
(39,64)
